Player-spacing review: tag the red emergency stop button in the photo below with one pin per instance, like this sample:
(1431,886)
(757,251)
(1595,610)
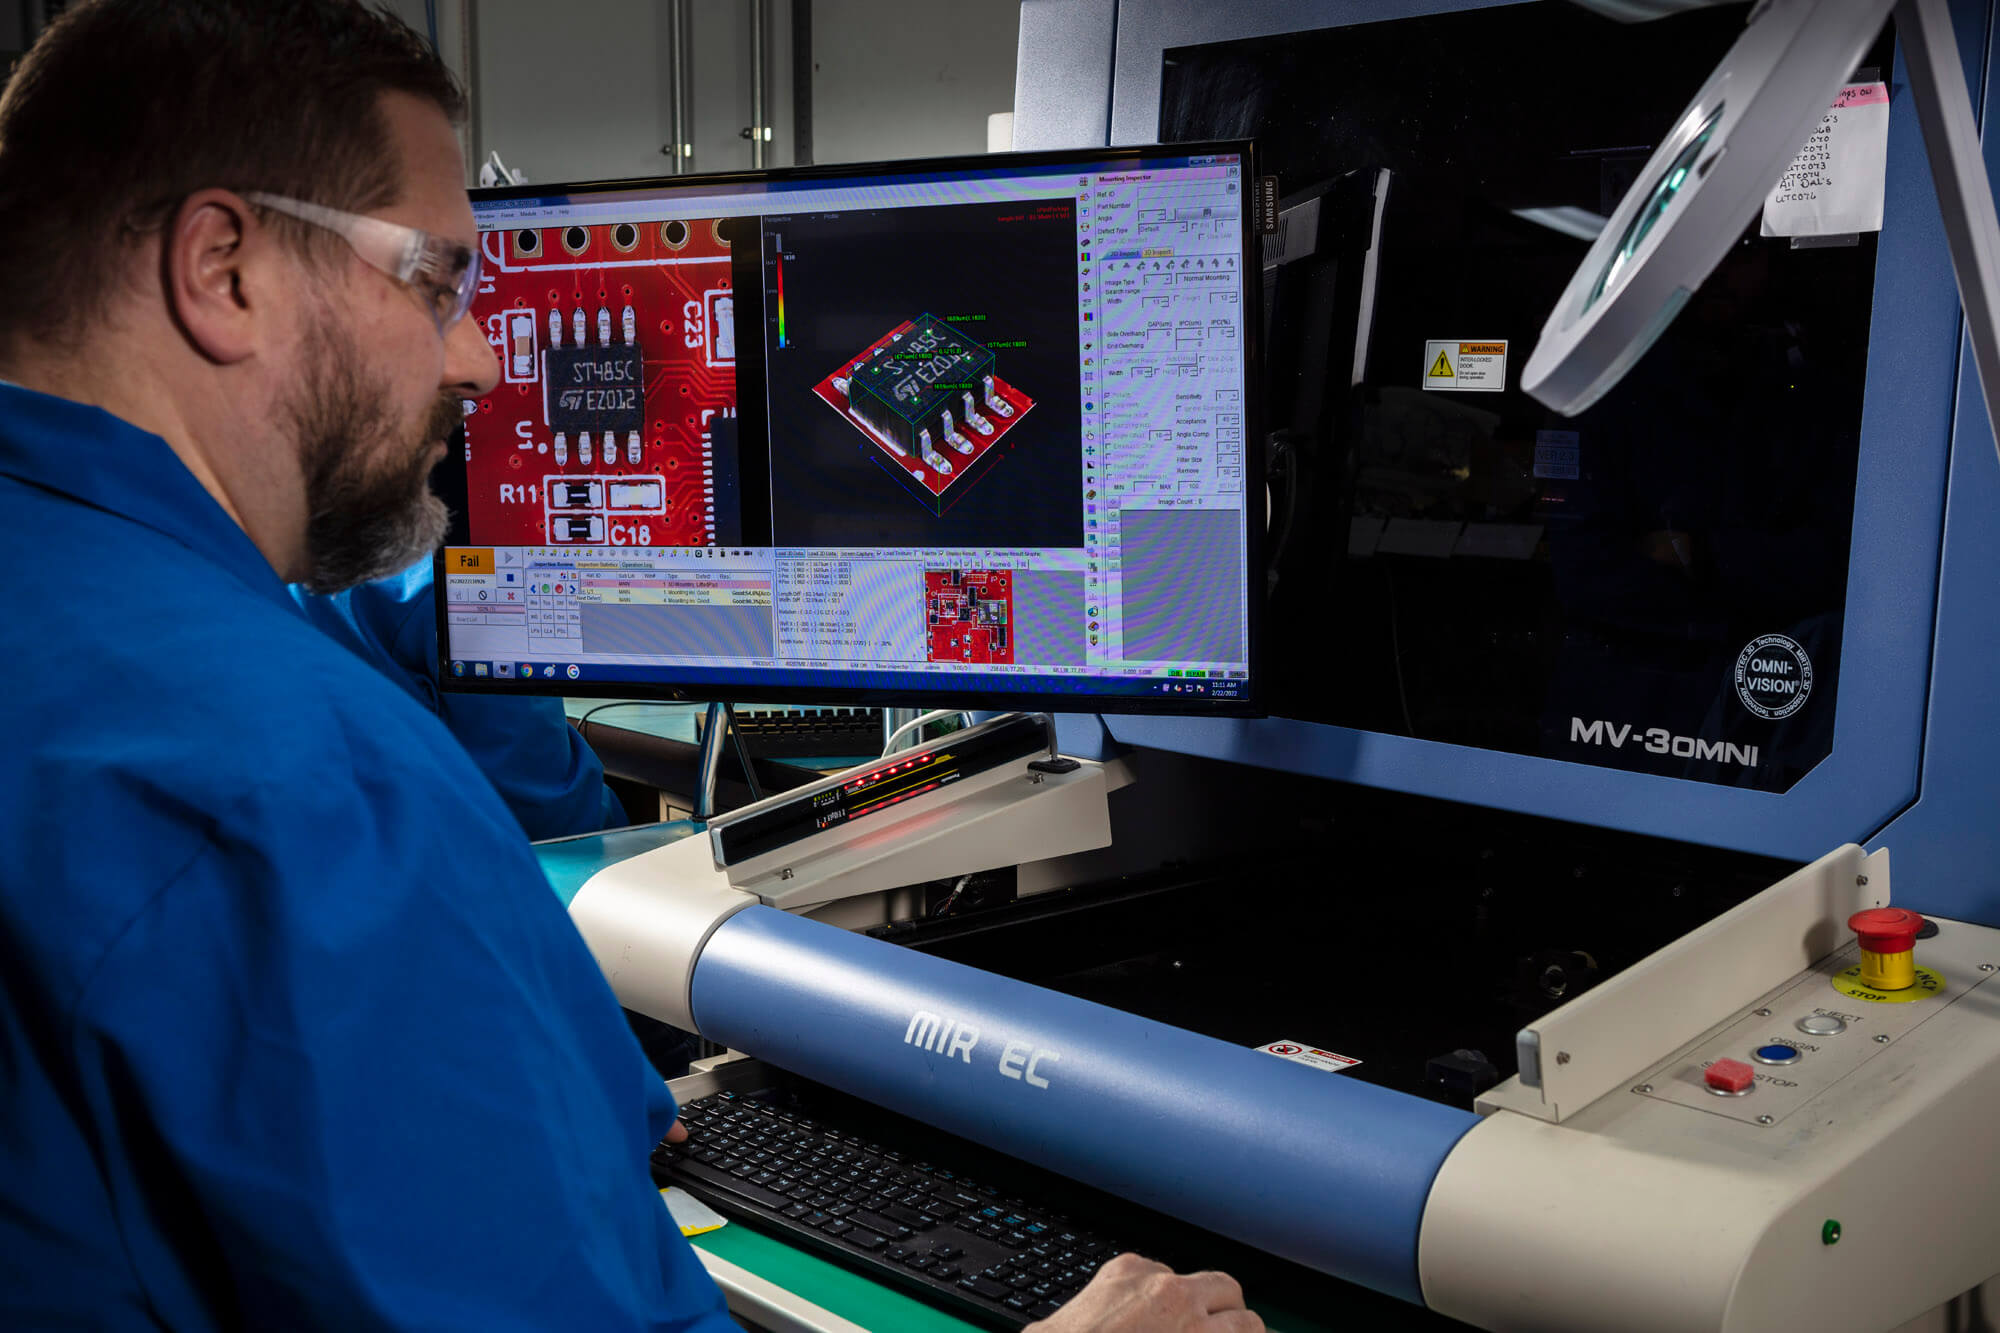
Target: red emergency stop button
(1888,937)
(1732,1078)
(1887,930)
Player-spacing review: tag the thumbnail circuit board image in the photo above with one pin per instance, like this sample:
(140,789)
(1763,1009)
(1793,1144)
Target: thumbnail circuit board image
(928,401)
(617,348)
(969,615)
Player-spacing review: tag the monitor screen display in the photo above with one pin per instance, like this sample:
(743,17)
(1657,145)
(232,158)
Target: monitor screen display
(970,431)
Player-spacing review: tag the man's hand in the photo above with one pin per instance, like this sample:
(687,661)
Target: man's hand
(678,1134)
(1135,1295)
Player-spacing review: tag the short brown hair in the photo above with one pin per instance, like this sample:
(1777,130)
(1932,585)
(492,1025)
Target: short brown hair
(123,108)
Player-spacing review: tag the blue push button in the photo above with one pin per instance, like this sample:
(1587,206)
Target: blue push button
(1777,1053)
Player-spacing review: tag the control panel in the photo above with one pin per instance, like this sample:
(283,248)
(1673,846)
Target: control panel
(1773,1058)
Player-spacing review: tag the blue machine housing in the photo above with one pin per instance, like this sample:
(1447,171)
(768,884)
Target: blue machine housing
(1910,767)
(1296,1161)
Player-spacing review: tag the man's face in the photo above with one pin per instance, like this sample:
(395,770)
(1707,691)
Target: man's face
(378,392)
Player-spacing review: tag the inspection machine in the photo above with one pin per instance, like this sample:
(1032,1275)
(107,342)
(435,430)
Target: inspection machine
(1534,963)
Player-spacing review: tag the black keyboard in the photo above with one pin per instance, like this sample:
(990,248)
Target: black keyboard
(961,1240)
(820,733)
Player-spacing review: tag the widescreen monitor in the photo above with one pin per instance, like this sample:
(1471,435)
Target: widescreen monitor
(974,431)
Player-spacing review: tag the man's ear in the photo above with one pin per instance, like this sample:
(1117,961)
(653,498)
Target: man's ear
(215,263)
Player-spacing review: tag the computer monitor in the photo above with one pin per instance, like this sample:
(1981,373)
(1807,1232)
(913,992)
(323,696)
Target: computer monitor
(974,431)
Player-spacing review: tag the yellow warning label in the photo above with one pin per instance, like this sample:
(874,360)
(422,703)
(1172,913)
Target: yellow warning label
(1848,983)
(1465,365)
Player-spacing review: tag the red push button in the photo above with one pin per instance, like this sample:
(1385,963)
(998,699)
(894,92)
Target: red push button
(1886,930)
(1730,1076)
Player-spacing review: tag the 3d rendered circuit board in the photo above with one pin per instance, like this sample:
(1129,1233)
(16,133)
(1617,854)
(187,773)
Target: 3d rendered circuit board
(929,403)
(969,615)
(617,348)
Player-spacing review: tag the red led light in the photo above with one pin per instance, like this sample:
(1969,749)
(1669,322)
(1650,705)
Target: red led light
(888,801)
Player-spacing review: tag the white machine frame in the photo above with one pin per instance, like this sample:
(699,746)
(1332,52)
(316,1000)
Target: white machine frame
(1851,1191)
(647,919)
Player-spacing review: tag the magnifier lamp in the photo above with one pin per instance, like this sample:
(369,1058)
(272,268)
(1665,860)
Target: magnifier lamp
(1712,172)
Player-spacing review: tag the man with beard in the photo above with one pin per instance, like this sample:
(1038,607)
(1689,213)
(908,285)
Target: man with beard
(294,1034)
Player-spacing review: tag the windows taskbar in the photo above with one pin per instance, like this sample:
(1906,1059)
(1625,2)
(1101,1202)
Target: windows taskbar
(1221,690)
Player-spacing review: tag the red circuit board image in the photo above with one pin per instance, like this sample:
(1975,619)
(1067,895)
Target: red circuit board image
(934,414)
(617,352)
(969,615)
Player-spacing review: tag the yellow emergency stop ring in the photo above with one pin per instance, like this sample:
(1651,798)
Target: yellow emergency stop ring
(1927,984)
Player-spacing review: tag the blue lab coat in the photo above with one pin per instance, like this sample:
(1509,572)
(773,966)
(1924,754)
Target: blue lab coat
(538,763)
(293,1033)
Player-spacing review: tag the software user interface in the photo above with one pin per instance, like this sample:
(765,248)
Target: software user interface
(976,429)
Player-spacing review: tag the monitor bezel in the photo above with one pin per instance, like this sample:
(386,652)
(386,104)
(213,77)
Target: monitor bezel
(1250,704)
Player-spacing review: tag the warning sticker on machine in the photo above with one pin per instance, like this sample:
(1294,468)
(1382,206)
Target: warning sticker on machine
(1301,1053)
(1465,367)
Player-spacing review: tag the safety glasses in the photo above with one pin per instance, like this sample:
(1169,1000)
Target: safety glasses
(444,273)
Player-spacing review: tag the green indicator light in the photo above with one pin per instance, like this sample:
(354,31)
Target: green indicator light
(1829,1234)
(1173,671)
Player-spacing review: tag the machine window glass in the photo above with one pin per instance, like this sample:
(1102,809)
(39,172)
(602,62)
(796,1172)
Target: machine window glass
(1656,585)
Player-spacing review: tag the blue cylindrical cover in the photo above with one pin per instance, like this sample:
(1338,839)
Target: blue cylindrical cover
(1300,1162)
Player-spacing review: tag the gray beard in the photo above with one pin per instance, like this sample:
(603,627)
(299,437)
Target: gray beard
(365,519)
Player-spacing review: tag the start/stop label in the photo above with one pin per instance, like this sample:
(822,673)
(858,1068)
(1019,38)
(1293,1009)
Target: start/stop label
(1774,677)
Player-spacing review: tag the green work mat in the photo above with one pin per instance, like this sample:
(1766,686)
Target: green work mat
(871,1304)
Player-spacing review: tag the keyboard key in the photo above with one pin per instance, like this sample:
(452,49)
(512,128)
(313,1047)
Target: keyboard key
(797,1210)
(704,1174)
(868,1240)
(946,1251)
(922,1261)
(1043,1311)
(945,1271)
(877,1222)
(841,1209)
(837,1227)
(909,1217)
(992,1291)
(1017,1302)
